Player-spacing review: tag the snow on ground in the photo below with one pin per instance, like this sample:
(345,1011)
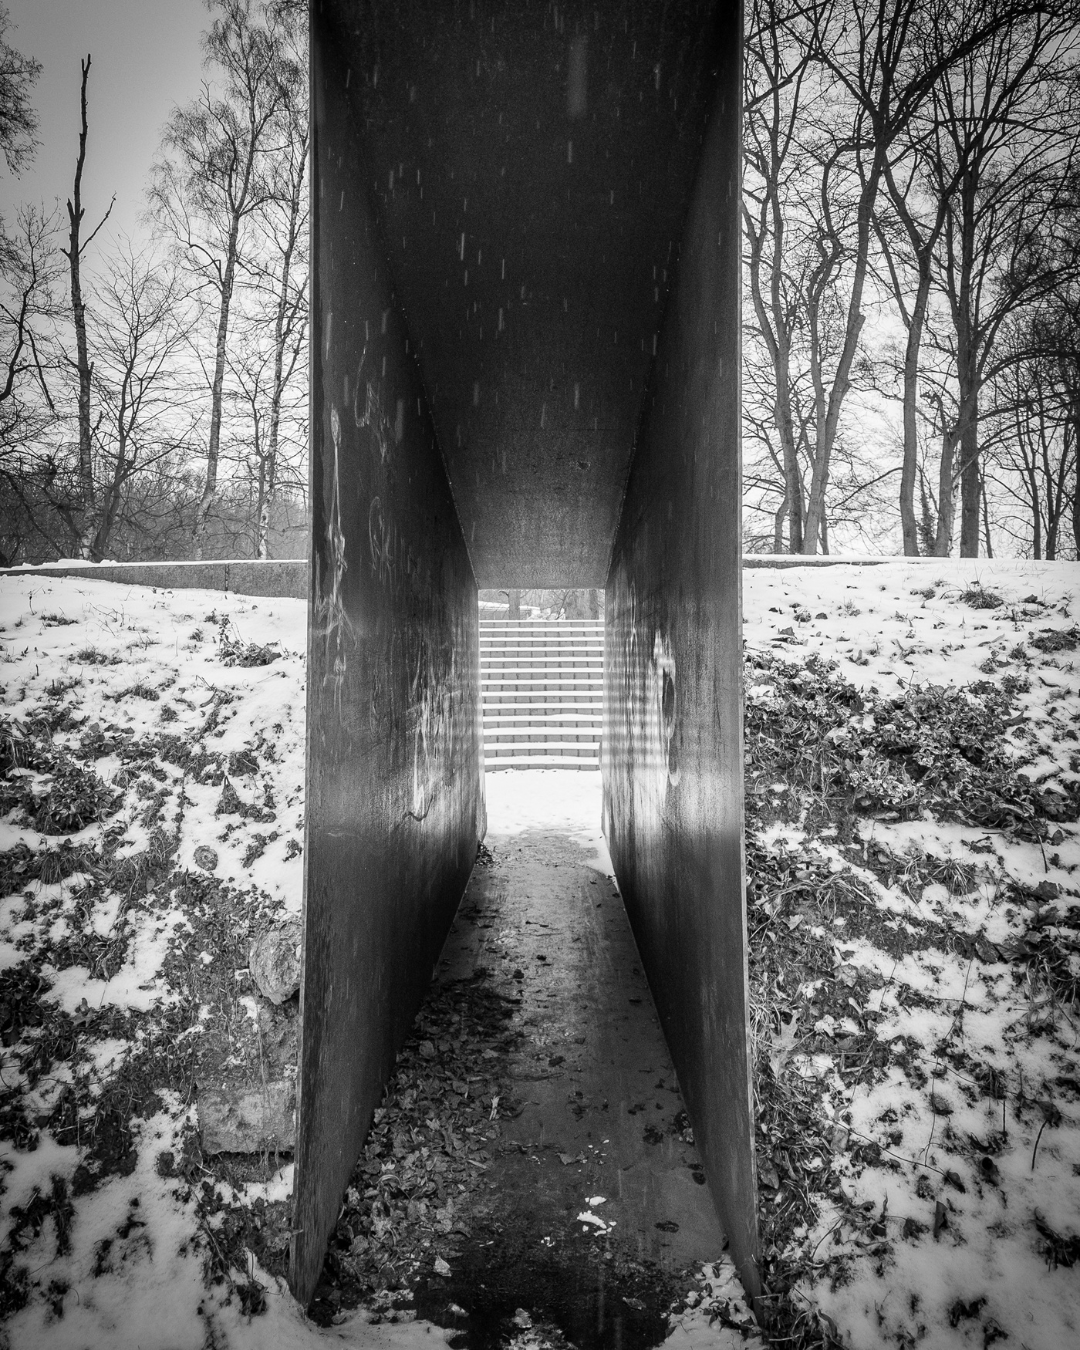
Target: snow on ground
(153,748)
(566,800)
(946,1063)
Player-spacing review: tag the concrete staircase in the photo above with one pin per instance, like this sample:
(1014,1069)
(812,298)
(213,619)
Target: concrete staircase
(542,683)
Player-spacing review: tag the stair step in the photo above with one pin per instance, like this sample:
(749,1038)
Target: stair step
(559,719)
(509,736)
(541,762)
(525,749)
(582,680)
(542,688)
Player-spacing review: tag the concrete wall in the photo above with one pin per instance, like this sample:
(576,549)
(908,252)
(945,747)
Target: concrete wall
(395,791)
(672,748)
(273,576)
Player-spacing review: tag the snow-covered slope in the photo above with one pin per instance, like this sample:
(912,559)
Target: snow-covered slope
(915,967)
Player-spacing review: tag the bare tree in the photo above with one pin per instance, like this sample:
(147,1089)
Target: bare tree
(212,179)
(277,269)
(138,334)
(29,275)
(82,364)
(269,427)
(18,121)
(831,87)
(1000,145)
(847,104)
(1068,365)
(894,59)
(1035,446)
(28,270)
(1034,422)
(775,73)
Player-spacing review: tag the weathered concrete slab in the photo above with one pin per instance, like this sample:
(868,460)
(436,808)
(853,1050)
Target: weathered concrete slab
(672,746)
(530,165)
(394,785)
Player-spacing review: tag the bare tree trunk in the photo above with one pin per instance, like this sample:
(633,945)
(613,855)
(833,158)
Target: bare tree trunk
(970,473)
(946,504)
(1033,495)
(793,486)
(778,526)
(922,248)
(281,337)
(73,252)
(773,325)
(1056,486)
(593,603)
(513,604)
(908,525)
(267,484)
(262,507)
(121,469)
(1075,427)
(841,380)
(213,445)
(985,517)
(109,509)
(268,467)
(927,514)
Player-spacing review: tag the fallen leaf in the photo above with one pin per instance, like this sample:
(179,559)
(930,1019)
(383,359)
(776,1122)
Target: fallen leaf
(783,1043)
(768,1176)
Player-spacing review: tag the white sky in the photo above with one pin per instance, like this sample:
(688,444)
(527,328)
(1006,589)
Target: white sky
(146,59)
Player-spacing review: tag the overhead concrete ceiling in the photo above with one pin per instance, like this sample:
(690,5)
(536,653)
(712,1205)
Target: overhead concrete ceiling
(530,166)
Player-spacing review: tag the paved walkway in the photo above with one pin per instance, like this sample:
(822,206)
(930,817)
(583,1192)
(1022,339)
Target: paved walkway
(594,1208)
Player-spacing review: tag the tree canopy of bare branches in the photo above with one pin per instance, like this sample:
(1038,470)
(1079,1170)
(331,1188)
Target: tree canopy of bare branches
(906,163)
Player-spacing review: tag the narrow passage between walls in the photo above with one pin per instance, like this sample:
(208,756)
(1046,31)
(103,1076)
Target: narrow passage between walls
(579,1213)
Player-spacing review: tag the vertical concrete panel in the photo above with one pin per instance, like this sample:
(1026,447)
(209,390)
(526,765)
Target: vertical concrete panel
(672,750)
(395,791)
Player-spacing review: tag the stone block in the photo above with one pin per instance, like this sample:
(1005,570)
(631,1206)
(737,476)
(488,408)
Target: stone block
(248,1119)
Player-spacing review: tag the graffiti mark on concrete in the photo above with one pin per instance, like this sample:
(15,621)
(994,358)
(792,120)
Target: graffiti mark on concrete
(331,622)
(371,415)
(380,542)
(661,710)
(431,721)
(644,722)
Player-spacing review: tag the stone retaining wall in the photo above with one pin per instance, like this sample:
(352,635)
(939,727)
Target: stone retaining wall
(285,576)
(289,576)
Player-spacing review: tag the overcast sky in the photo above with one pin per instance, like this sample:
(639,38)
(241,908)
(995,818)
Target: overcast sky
(146,59)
